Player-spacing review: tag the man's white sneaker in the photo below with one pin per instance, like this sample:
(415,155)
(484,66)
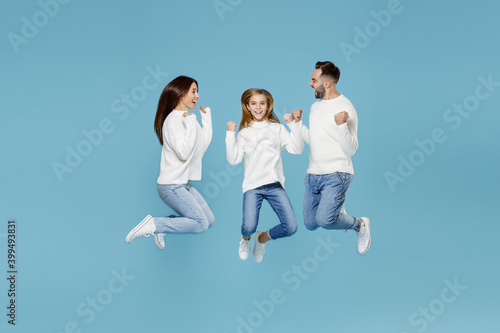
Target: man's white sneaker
(146,228)
(244,248)
(364,238)
(159,240)
(259,248)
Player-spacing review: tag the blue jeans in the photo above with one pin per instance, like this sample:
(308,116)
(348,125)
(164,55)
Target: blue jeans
(195,215)
(279,202)
(323,200)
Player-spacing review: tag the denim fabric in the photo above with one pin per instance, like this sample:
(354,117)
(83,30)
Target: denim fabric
(279,202)
(195,215)
(323,200)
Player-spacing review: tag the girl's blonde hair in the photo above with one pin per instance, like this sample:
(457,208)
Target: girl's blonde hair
(246,116)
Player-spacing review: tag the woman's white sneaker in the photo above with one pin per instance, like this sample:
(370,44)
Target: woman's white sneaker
(244,248)
(146,228)
(159,240)
(364,238)
(259,248)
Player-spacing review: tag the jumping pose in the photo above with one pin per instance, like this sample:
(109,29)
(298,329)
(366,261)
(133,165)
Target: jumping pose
(261,139)
(184,143)
(332,139)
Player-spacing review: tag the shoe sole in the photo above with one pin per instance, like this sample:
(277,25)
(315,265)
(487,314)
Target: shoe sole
(367,224)
(137,227)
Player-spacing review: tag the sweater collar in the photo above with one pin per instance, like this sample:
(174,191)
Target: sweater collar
(259,124)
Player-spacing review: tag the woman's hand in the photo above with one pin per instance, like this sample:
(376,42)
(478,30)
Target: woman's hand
(187,114)
(203,109)
(231,126)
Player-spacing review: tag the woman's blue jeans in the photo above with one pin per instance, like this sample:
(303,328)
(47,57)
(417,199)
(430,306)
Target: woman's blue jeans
(195,215)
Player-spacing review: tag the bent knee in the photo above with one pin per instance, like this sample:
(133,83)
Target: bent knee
(327,222)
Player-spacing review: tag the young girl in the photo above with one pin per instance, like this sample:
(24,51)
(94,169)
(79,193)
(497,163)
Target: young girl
(184,142)
(261,139)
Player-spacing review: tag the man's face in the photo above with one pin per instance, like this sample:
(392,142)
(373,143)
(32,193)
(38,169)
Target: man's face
(316,84)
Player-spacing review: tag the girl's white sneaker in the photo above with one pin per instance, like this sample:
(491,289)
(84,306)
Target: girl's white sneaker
(259,248)
(244,248)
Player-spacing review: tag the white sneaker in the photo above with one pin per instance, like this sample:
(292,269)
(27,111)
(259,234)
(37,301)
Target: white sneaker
(244,248)
(364,238)
(159,240)
(146,228)
(259,248)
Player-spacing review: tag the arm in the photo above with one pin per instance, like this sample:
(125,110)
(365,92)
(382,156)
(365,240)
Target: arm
(292,141)
(235,146)
(347,129)
(304,131)
(206,120)
(180,135)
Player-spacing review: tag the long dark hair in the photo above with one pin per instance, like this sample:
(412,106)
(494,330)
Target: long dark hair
(169,99)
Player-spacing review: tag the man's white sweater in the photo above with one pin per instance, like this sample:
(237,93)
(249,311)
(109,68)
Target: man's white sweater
(184,144)
(331,145)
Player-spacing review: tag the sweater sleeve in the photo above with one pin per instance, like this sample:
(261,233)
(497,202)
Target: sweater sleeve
(348,133)
(304,131)
(235,147)
(181,136)
(206,121)
(292,141)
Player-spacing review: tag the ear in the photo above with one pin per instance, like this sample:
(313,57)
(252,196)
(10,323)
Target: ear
(327,84)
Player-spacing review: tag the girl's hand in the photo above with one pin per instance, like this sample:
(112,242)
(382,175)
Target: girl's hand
(202,109)
(297,114)
(231,126)
(288,118)
(187,114)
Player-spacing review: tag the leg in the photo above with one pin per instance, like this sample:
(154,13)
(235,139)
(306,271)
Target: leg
(312,198)
(203,204)
(280,203)
(333,189)
(192,218)
(252,201)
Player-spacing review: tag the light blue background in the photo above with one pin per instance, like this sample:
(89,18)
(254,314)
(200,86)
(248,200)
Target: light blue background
(440,224)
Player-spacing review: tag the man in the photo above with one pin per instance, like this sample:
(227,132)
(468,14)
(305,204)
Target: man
(332,139)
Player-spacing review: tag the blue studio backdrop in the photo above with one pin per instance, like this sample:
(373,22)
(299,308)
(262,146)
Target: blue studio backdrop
(80,82)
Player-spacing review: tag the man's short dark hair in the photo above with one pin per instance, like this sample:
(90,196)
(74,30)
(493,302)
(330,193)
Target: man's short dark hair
(328,70)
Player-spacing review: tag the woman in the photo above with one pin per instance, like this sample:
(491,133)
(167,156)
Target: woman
(184,143)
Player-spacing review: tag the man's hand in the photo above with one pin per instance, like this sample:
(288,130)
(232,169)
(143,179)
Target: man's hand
(341,118)
(288,118)
(187,114)
(202,109)
(231,126)
(297,114)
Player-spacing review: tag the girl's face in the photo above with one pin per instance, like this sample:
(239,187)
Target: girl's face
(258,107)
(188,101)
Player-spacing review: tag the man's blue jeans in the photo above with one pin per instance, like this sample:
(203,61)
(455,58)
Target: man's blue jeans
(195,215)
(278,200)
(323,200)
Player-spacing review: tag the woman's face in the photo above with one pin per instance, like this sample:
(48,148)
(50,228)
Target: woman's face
(188,101)
(258,107)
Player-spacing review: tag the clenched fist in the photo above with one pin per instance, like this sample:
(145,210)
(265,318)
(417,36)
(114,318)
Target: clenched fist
(341,117)
(288,118)
(297,114)
(231,126)
(187,114)
(203,109)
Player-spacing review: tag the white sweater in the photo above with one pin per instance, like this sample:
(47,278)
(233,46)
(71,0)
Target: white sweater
(262,144)
(184,144)
(331,146)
